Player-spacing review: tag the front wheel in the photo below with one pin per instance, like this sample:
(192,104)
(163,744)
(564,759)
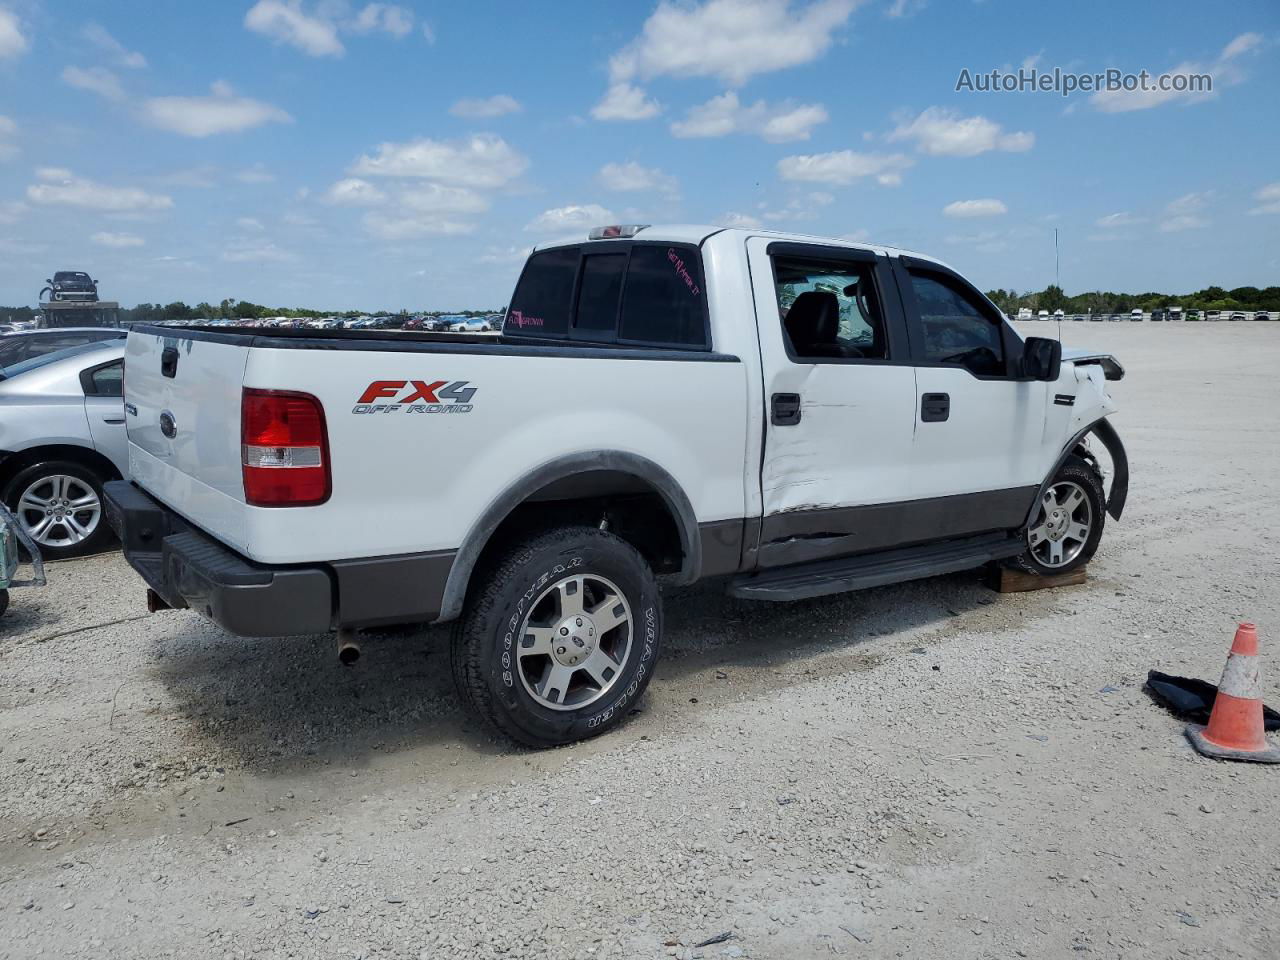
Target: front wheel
(1067,526)
(560,636)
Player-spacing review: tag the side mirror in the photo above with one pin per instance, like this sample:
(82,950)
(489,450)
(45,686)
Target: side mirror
(48,281)
(1041,358)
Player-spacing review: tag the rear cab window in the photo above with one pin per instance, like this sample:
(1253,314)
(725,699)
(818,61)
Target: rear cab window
(629,293)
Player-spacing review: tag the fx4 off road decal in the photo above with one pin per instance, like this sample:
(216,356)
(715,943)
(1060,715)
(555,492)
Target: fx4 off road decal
(416,396)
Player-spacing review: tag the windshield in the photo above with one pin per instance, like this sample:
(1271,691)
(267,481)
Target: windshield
(35,363)
(70,275)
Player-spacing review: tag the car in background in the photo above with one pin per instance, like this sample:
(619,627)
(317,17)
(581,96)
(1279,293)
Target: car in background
(62,436)
(470,325)
(413,323)
(1193,315)
(16,347)
(1262,315)
(72,285)
(1237,315)
(1157,315)
(1213,315)
(1136,315)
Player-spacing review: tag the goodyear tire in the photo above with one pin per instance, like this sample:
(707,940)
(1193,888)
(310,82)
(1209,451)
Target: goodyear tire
(1065,532)
(560,636)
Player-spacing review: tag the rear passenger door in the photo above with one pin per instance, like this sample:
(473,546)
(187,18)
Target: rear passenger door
(979,426)
(840,385)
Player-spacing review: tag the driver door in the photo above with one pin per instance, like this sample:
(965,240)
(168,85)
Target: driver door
(979,428)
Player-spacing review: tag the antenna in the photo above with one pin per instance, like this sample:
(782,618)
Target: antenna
(1057,276)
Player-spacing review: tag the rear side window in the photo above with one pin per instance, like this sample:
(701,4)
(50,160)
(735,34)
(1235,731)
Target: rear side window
(665,299)
(646,294)
(106,381)
(544,297)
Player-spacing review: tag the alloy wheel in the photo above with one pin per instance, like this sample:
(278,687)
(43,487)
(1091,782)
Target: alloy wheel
(59,511)
(1062,526)
(574,642)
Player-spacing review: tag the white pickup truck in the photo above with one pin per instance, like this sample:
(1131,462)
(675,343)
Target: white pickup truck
(795,416)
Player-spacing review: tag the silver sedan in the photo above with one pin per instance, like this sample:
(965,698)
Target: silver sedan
(62,436)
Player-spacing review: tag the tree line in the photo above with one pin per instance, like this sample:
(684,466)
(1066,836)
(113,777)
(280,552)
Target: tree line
(1053,298)
(230,309)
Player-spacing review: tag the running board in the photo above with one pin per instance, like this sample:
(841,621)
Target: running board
(824,577)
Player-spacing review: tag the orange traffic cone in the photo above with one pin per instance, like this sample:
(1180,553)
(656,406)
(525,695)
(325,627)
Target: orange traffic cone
(1235,729)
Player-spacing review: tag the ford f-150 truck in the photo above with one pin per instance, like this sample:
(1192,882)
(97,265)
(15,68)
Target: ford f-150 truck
(792,415)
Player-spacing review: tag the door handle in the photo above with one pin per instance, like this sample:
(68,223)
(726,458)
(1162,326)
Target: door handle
(113,419)
(935,407)
(785,409)
(169,362)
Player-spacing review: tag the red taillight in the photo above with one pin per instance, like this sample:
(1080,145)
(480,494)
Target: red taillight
(284,449)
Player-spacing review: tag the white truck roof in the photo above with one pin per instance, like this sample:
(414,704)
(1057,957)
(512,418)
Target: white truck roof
(697,233)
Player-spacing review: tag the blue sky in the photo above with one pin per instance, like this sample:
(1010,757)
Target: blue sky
(349,154)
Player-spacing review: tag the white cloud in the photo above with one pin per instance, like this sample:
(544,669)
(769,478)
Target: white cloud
(1268,198)
(428,34)
(505,255)
(222,112)
(256,174)
(482,160)
(13,42)
(1186,221)
(842,167)
(384,17)
(572,217)
(986,207)
(316,32)
(1189,203)
(1245,43)
(800,208)
(437,198)
(1122,219)
(905,8)
(408,227)
(256,251)
(631,176)
(62,188)
(285,22)
(624,101)
(11,211)
(1224,71)
(250,223)
(354,192)
(725,114)
(8,129)
(97,34)
(97,80)
(738,220)
(117,240)
(496,106)
(941,132)
(730,39)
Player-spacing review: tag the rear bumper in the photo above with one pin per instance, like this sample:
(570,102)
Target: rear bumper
(188,569)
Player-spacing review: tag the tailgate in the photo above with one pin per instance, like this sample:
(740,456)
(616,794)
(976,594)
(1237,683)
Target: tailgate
(182,405)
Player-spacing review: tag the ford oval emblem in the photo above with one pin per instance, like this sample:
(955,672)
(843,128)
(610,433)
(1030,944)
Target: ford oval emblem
(168,425)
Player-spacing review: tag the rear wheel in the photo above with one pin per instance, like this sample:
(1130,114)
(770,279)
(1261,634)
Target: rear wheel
(1067,526)
(59,505)
(560,636)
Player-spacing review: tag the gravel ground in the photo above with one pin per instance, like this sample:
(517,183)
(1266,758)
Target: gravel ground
(926,770)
